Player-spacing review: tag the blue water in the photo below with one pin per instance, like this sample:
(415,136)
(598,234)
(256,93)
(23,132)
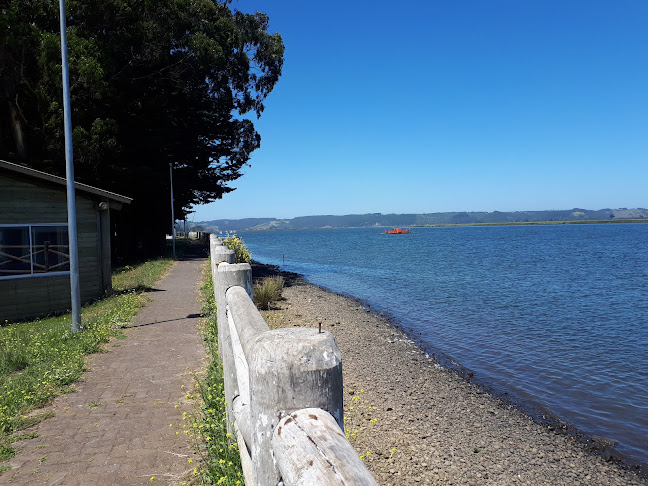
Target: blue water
(556,316)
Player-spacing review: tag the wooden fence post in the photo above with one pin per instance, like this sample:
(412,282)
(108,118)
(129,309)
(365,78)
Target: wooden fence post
(214,244)
(290,369)
(294,371)
(219,254)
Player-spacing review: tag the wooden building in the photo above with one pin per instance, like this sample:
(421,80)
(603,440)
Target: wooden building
(34,248)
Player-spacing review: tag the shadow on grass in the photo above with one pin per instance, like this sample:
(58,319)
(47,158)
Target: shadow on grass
(190,316)
(137,289)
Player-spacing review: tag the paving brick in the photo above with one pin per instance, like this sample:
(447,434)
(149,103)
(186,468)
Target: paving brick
(137,381)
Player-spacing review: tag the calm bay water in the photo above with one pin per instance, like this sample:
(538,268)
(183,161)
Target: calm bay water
(556,316)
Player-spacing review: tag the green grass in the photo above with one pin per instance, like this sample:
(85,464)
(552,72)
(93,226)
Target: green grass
(267,291)
(40,359)
(221,463)
(135,277)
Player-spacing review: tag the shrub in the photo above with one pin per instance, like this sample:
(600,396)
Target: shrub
(236,244)
(267,291)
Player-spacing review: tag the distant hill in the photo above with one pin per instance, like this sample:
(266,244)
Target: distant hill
(405,220)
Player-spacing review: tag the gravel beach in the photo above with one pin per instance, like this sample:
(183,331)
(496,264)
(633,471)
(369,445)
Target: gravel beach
(415,422)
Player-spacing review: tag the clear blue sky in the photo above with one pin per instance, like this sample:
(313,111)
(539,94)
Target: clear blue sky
(457,105)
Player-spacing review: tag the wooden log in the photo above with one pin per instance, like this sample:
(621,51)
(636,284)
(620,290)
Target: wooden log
(225,278)
(241,414)
(246,318)
(311,449)
(229,275)
(239,308)
(246,460)
(240,362)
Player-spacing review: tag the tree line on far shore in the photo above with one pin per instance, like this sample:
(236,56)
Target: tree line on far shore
(152,84)
(403,220)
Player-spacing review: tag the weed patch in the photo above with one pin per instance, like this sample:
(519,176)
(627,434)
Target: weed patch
(6,453)
(24,436)
(267,291)
(221,463)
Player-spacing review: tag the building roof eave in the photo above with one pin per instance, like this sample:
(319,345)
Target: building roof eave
(44,176)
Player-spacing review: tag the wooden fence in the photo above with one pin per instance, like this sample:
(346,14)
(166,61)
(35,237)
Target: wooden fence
(283,390)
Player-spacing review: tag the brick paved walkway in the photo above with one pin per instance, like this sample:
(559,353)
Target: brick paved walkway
(126,439)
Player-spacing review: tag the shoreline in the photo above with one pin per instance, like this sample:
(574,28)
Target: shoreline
(417,422)
(452,225)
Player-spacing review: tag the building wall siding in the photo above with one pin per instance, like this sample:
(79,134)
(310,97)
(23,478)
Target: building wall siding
(23,202)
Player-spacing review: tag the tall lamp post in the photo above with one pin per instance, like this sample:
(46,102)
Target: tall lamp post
(172,212)
(69,175)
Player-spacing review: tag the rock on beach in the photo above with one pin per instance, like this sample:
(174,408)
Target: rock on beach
(416,423)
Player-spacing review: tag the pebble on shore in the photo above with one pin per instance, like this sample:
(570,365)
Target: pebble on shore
(414,422)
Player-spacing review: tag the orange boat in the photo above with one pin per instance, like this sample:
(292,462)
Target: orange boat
(397,231)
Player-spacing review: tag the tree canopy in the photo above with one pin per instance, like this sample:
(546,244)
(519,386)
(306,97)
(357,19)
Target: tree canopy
(152,83)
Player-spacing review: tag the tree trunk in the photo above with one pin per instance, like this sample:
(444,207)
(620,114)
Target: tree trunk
(17,128)
(8,94)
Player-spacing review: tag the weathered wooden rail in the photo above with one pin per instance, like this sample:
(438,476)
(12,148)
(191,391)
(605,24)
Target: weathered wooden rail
(283,390)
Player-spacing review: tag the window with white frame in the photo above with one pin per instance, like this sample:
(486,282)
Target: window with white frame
(33,249)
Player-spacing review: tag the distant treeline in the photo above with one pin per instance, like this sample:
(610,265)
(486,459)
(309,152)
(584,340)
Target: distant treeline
(404,220)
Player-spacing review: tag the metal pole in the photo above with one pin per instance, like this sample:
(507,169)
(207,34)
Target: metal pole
(69,174)
(172,212)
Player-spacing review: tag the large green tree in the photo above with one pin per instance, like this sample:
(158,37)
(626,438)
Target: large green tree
(152,83)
